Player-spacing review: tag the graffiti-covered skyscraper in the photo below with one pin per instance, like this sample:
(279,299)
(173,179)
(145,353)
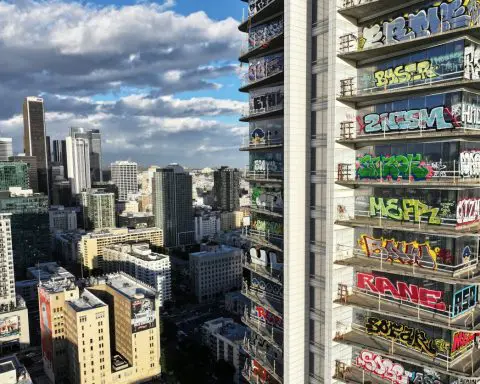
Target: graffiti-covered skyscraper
(407,192)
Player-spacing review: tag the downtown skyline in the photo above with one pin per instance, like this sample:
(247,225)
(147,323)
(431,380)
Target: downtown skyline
(155,99)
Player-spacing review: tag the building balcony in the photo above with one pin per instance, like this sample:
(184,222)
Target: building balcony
(348,48)
(353,374)
(356,218)
(359,11)
(354,140)
(270,273)
(377,174)
(357,98)
(271,362)
(247,84)
(251,144)
(272,335)
(264,239)
(267,210)
(248,114)
(271,8)
(468,321)
(464,273)
(466,365)
(275,43)
(263,176)
(257,376)
(270,302)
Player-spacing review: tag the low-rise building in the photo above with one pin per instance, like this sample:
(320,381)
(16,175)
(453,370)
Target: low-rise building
(14,326)
(62,219)
(224,338)
(231,220)
(92,244)
(235,303)
(214,271)
(13,372)
(137,260)
(136,220)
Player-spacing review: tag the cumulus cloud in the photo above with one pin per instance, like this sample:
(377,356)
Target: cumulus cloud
(142,55)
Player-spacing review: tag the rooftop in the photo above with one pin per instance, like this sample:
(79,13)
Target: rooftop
(215,250)
(127,286)
(86,301)
(140,250)
(118,231)
(10,363)
(54,286)
(136,214)
(50,271)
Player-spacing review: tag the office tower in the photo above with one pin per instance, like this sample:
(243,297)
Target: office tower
(13,311)
(380,184)
(207,226)
(214,271)
(5,148)
(278,351)
(52,297)
(231,220)
(98,209)
(49,150)
(124,176)
(34,138)
(62,193)
(226,189)
(91,245)
(64,157)
(78,161)
(31,161)
(107,186)
(138,261)
(13,174)
(96,155)
(172,205)
(58,172)
(57,154)
(30,227)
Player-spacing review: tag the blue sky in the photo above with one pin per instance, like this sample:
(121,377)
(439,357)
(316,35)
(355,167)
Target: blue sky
(159,78)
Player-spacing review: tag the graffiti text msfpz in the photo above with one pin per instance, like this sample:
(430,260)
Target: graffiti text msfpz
(427,118)
(404,210)
(385,368)
(442,17)
(412,253)
(393,167)
(380,285)
(408,336)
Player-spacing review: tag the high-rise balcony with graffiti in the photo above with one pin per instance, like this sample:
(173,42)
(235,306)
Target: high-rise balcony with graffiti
(434,69)
(444,165)
(263,103)
(450,353)
(254,373)
(269,357)
(443,305)
(264,134)
(450,259)
(264,262)
(262,39)
(408,25)
(265,324)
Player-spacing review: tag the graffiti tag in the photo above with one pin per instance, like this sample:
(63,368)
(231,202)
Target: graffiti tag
(468,211)
(268,317)
(404,210)
(268,226)
(434,118)
(403,334)
(405,73)
(401,291)
(447,15)
(461,341)
(470,164)
(400,251)
(385,368)
(392,167)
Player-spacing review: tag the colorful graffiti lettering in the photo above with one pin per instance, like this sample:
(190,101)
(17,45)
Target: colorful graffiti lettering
(426,377)
(268,317)
(269,199)
(405,73)
(400,251)
(392,167)
(401,291)
(468,211)
(442,17)
(385,368)
(434,118)
(268,226)
(403,334)
(266,100)
(403,209)
(461,341)
(470,164)
(266,286)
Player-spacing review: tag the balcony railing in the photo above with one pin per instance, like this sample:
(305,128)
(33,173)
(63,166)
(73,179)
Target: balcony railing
(249,113)
(273,303)
(354,3)
(268,360)
(418,172)
(271,334)
(384,262)
(266,175)
(249,142)
(269,272)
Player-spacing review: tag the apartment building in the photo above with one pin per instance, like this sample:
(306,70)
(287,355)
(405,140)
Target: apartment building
(92,244)
(138,261)
(62,219)
(215,270)
(124,176)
